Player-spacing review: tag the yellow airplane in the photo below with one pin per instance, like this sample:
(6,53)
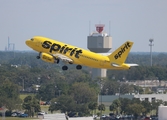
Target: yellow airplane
(53,51)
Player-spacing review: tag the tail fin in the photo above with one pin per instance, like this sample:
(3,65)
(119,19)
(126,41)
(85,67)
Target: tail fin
(119,55)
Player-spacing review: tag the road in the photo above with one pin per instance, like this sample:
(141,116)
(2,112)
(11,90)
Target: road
(81,118)
(57,116)
(61,116)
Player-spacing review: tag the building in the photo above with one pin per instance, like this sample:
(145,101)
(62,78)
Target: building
(151,97)
(108,99)
(99,42)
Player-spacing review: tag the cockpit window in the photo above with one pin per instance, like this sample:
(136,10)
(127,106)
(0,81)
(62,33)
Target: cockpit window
(32,39)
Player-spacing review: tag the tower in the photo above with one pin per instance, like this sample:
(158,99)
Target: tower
(151,44)
(99,42)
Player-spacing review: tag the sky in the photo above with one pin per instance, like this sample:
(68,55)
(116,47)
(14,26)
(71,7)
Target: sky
(71,21)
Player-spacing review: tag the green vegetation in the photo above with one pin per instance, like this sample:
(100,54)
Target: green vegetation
(17,118)
(72,90)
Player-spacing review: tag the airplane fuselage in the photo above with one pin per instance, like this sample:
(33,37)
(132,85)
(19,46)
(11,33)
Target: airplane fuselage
(77,55)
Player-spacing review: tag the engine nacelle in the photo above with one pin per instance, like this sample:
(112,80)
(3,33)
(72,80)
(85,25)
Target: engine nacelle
(48,58)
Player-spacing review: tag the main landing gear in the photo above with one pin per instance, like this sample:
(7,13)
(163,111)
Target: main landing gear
(64,67)
(78,67)
(38,57)
(57,60)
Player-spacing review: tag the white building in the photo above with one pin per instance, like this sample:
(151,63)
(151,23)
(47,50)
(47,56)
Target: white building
(151,97)
(108,99)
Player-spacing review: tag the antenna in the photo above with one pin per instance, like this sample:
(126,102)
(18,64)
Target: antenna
(89,27)
(10,47)
(8,43)
(109,27)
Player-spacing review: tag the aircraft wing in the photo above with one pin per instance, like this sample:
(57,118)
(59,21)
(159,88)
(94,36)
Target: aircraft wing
(63,58)
(104,54)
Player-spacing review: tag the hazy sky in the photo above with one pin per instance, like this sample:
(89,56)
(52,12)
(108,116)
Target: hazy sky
(68,21)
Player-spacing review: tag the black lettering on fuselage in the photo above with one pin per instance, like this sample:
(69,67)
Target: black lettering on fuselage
(67,49)
(77,53)
(119,54)
(55,47)
(72,52)
(46,44)
(62,48)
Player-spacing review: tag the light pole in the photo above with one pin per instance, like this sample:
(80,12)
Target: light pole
(59,92)
(22,78)
(23,84)
(151,44)
(101,87)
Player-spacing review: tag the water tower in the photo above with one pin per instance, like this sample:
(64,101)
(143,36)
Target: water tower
(99,42)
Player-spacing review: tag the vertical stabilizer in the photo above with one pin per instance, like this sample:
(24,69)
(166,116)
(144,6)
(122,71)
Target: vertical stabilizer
(119,55)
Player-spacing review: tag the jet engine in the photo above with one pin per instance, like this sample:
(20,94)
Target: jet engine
(48,58)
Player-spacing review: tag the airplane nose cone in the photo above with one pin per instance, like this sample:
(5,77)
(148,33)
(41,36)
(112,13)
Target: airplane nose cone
(28,42)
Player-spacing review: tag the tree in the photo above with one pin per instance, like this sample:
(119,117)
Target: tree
(64,103)
(31,104)
(155,105)
(107,89)
(9,95)
(147,106)
(116,106)
(124,105)
(136,109)
(82,93)
(46,92)
(93,106)
(126,89)
(101,108)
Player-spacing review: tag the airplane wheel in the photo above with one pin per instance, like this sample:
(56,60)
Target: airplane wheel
(64,68)
(78,67)
(38,57)
(57,61)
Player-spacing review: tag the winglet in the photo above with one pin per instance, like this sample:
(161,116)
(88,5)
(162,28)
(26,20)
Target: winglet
(119,55)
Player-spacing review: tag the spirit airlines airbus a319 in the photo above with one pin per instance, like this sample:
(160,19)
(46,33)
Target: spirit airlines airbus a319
(53,51)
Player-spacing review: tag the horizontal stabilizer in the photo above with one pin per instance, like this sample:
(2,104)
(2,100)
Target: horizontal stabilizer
(131,65)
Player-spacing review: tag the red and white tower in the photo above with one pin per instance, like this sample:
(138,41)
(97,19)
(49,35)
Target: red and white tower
(99,42)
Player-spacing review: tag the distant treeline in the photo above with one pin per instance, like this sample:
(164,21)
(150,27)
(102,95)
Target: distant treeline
(144,71)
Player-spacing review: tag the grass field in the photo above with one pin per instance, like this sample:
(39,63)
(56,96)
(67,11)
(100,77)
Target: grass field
(17,118)
(45,108)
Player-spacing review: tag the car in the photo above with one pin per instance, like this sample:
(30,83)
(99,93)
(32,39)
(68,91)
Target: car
(23,115)
(154,118)
(147,118)
(14,115)
(40,115)
(42,112)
